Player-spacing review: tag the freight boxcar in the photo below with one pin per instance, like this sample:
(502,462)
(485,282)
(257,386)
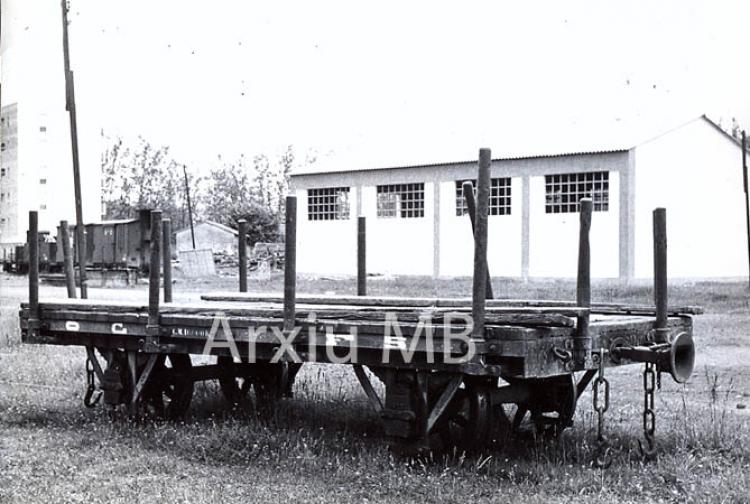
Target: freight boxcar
(111,244)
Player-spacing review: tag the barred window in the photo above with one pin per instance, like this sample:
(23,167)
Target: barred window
(565,190)
(499,196)
(401,200)
(328,203)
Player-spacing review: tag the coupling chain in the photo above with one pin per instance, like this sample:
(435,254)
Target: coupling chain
(603,458)
(650,383)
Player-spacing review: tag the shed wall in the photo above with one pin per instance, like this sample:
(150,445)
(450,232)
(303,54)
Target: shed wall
(695,172)
(526,242)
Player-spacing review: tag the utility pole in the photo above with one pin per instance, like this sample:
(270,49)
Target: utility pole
(190,207)
(70,106)
(747,202)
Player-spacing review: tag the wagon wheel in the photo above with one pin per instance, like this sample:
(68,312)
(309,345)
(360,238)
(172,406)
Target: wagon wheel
(170,389)
(467,423)
(552,404)
(234,388)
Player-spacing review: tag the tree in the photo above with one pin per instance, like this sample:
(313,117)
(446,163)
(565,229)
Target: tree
(256,194)
(232,195)
(142,176)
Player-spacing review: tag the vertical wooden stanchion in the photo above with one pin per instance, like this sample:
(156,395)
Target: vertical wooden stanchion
(153,274)
(471,208)
(361,257)
(32,240)
(290,263)
(660,273)
(167,258)
(80,251)
(479,290)
(242,249)
(70,279)
(747,201)
(582,341)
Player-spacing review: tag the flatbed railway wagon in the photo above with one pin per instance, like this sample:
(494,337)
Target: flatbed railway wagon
(452,369)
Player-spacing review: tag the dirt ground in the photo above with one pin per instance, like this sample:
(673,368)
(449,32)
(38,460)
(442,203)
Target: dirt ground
(326,445)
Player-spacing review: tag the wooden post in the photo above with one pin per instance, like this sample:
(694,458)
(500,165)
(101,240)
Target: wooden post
(471,207)
(361,257)
(70,106)
(167,258)
(582,341)
(660,273)
(747,201)
(32,240)
(153,274)
(479,290)
(290,262)
(70,279)
(242,248)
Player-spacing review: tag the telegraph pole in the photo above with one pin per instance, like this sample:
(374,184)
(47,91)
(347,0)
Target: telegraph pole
(747,202)
(190,207)
(70,106)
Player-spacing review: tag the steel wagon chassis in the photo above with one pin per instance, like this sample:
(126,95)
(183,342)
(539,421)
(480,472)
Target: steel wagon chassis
(452,369)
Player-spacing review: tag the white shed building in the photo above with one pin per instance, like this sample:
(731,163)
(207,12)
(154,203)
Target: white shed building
(416,223)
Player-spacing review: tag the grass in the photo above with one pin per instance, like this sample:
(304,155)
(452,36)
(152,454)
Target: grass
(326,445)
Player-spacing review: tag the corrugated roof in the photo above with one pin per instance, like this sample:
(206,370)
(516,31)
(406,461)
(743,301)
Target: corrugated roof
(576,139)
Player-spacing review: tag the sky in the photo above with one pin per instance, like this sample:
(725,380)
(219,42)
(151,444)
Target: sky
(392,82)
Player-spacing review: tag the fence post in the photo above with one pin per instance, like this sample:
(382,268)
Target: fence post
(70,279)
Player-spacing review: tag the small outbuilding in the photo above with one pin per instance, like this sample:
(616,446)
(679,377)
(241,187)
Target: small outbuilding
(209,235)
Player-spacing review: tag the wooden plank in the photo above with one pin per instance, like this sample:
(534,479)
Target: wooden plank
(443,401)
(415,302)
(143,379)
(342,310)
(364,381)
(492,318)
